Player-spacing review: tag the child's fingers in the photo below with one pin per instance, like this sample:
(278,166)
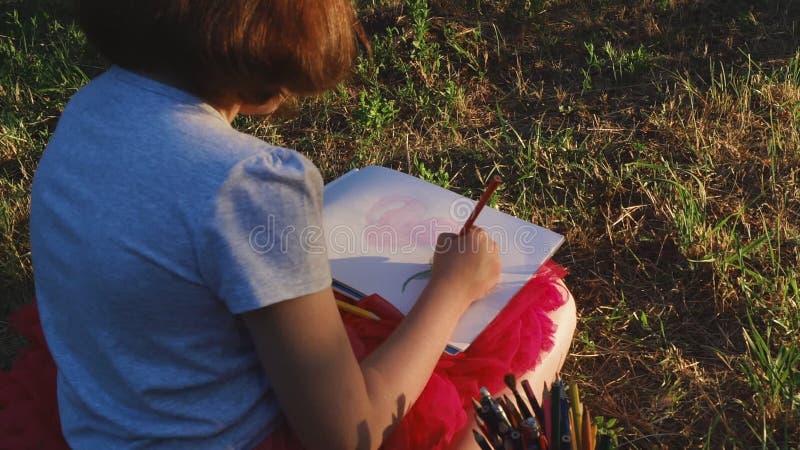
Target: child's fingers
(482,238)
(444,241)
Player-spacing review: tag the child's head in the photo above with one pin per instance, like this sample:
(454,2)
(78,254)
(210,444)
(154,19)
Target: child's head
(227,50)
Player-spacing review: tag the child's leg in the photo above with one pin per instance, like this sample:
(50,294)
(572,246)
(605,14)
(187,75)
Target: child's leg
(464,440)
(545,372)
(566,319)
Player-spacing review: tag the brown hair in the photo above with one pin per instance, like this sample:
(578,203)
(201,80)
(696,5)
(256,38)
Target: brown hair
(248,50)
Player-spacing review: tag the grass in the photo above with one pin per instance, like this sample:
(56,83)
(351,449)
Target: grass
(661,137)
(38,73)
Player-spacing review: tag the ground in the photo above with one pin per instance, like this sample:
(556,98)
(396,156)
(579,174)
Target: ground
(661,137)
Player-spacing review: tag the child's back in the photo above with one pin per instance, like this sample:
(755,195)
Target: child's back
(173,256)
(153,223)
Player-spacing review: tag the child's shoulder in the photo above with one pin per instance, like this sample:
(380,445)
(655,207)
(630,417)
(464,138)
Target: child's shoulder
(150,121)
(125,135)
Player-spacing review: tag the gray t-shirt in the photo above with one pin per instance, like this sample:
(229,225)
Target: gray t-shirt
(153,224)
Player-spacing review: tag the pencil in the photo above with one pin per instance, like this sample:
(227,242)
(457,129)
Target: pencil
(572,433)
(537,408)
(548,420)
(576,409)
(511,382)
(493,184)
(353,309)
(555,414)
(586,430)
(482,442)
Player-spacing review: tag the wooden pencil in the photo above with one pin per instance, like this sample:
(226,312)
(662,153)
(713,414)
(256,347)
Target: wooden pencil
(353,309)
(576,414)
(487,194)
(586,430)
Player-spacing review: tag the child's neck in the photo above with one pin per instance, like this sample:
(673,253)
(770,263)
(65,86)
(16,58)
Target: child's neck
(228,109)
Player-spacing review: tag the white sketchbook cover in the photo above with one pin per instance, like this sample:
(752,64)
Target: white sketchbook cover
(381,227)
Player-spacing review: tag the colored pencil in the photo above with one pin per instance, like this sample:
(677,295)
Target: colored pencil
(493,184)
(482,443)
(566,423)
(547,424)
(353,309)
(577,415)
(511,382)
(537,409)
(555,414)
(586,430)
(572,433)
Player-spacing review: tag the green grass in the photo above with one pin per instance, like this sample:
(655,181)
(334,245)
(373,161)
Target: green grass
(38,73)
(661,137)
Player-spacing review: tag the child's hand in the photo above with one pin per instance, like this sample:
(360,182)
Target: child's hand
(468,265)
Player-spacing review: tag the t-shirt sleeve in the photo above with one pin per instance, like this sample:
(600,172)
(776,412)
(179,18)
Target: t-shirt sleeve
(265,241)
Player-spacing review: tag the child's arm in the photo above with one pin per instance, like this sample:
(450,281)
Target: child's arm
(330,400)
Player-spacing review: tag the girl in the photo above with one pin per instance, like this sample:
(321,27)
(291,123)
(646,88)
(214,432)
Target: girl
(168,329)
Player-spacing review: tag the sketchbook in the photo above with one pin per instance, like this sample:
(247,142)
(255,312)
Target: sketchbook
(381,227)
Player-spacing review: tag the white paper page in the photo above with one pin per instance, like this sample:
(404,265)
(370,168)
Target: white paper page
(381,227)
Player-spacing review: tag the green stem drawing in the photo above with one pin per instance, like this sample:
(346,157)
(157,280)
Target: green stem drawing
(417,276)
